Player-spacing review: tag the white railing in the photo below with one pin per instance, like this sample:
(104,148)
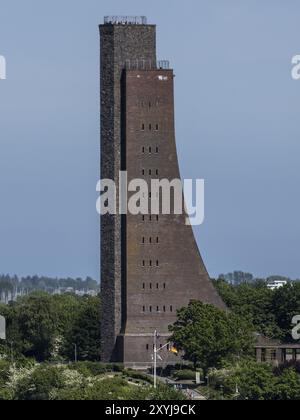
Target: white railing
(125,20)
(147,65)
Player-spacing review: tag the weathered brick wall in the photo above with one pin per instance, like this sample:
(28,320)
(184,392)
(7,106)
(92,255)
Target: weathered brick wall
(137,298)
(118,44)
(156,291)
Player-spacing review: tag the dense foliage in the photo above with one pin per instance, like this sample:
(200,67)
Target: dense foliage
(42,331)
(76,382)
(46,327)
(270,312)
(252,381)
(208,335)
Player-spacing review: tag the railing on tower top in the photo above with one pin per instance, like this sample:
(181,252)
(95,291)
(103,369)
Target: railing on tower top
(125,20)
(147,65)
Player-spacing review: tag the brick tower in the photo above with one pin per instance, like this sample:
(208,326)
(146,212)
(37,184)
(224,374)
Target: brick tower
(150,265)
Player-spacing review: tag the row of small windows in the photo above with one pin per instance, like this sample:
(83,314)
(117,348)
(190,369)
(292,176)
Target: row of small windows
(148,104)
(152,309)
(151,263)
(150,127)
(151,218)
(151,240)
(152,286)
(150,149)
(151,172)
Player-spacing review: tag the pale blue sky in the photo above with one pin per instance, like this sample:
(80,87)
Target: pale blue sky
(237,111)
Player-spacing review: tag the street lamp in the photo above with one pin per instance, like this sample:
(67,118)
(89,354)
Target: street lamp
(75,352)
(207,380)
(222,392)
(12,352)
(156,355)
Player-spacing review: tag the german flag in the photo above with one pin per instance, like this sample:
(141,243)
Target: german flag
(174,350)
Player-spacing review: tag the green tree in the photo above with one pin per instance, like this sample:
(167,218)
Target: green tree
(85,331)
(41,385)
(33,326)
(288,385)
(255,303)
(254,382)
(285,305)
(208,335)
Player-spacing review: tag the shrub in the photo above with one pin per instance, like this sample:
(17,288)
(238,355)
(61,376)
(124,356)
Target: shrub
(185,375)
(40,384)
(132,374)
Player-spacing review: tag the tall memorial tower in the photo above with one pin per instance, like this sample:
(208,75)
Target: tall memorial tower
(150,264)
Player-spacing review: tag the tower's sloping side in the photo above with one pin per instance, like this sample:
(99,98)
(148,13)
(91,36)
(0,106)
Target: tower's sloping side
(150,264)
(164,269)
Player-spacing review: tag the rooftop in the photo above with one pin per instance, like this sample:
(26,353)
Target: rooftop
(147,65)
(125,20)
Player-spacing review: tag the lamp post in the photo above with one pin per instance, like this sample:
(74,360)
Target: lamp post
(75,353)
(222,392)
(12,352)
(208,390)
(156,355)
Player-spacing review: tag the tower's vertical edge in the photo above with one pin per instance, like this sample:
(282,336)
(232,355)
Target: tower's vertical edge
(119,43)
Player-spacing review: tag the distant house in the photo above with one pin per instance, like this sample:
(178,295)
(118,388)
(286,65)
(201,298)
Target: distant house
(277,284)
(275,352)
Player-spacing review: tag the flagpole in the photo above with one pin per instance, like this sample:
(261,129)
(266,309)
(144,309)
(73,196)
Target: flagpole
(155,359)
(155,355)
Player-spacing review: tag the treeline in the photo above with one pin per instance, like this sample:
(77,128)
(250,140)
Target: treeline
(47,327)
(34,283)
(239,277)
(270,312)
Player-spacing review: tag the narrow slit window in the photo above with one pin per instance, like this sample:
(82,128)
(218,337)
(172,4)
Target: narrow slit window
(157,286)
(150,309)
(150,149)
(150,127)
(157,127)
(171,308)
(157,150)
(144,309)
(157,263)
(150,172)
(143,149)
(143,172)
(157,240)
(143,127)
(143,263)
